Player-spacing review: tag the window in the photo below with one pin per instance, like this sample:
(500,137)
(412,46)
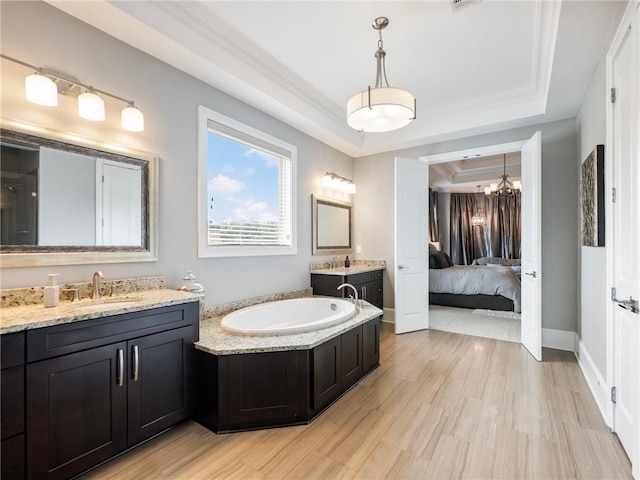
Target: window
(246,190)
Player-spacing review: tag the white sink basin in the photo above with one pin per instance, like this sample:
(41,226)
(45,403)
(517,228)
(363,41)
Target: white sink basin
(109,302)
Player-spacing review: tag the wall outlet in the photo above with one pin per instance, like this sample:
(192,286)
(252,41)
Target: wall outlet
(358,249)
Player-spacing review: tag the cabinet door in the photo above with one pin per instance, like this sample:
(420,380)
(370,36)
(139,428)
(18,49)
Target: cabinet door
(371,344)
(76,411)
(160,381)
(351,357)
(327,372)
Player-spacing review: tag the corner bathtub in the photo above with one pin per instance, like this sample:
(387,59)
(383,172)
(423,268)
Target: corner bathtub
(286,317)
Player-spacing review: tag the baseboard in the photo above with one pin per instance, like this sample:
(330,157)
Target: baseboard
(389,315)
(559,339)
(598,386)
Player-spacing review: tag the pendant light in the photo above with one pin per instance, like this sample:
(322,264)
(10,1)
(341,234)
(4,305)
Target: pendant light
(381,108)
(479,219)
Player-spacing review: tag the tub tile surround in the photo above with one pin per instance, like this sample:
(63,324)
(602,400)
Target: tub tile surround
(357,266)
(27,316)
(214,340)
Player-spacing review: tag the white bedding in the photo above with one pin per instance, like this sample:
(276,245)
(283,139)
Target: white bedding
(477,280)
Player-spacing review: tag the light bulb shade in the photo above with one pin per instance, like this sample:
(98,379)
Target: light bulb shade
(335,183)
(517,184)
(91,107)
(352,188)
(41,90)
(494,187)
(381,109)
(327,179)
(487,190)
(132,119)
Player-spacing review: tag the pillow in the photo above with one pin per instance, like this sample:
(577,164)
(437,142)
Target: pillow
(432,249)
(440,260)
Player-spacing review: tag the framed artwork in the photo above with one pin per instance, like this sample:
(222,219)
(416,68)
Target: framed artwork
(592,198)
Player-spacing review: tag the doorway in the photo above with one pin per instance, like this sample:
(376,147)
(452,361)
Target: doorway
(531,293)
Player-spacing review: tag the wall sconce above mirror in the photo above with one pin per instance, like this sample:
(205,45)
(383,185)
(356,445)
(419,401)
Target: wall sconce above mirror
(42,88)
(331,226)
(65,199)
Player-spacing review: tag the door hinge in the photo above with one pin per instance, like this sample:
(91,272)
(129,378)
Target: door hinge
(613,95)
(613,394)
(613,194)
(613,294)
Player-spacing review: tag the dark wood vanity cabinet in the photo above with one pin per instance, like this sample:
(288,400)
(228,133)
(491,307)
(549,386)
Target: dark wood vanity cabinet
(368,285)
(121,380)
(12,415)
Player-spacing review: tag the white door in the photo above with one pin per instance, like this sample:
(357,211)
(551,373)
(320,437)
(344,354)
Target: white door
(531,247)
(411,245)
(626,240)
(120,201)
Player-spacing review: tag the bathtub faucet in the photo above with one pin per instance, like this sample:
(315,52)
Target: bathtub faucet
(355,292)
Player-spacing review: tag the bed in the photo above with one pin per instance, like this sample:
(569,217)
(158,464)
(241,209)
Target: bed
(490,286)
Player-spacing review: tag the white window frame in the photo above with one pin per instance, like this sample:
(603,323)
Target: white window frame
(204,249)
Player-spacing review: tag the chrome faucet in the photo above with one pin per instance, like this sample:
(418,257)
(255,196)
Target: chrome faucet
(334,262)
(355,292)
(96,284)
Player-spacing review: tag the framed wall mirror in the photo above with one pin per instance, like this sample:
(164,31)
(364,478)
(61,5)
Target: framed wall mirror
(331,226)
(66,199)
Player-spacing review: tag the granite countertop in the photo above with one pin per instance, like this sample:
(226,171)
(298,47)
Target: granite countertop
(347,271)
(213,339)
(27,317)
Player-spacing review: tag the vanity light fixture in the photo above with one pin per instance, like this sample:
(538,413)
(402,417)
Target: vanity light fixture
(381,108)
(91,106)
(42,88)
(336,182)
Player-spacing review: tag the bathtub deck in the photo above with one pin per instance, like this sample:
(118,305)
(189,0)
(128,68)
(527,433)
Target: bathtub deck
(214,340)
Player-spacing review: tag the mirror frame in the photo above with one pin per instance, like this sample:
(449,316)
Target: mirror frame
(322,250)
(40,255)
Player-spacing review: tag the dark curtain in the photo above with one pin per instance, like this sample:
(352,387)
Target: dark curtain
(504,227)
(434,230)
(499,237)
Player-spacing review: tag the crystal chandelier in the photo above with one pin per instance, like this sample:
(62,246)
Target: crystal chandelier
(381,108)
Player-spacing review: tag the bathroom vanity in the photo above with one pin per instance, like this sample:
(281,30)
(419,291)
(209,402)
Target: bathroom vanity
(366,278)
(83,382)
(250,382)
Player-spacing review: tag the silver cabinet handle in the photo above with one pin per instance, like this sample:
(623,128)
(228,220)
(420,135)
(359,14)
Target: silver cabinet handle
(365,293)
(120,367)
(136,363)
(532,274)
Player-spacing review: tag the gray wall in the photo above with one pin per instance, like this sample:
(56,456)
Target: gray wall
(38,33)
(374,211)
(591,128)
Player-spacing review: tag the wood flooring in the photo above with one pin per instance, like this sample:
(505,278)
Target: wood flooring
(440,406)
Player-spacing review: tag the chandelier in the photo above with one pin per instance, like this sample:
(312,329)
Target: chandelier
(505,188)
(479,218)
(381,108)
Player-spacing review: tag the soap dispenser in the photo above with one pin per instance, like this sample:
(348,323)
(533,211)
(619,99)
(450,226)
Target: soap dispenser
(52,291)
(191,284)
(347,262)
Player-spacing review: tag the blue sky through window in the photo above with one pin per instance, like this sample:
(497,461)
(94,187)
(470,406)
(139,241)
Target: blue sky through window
(242,182)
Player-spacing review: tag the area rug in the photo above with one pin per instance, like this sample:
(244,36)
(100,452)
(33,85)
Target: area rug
(494,324)
(496,313)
